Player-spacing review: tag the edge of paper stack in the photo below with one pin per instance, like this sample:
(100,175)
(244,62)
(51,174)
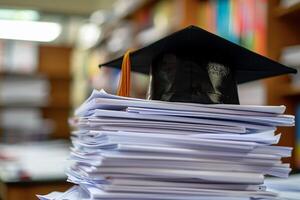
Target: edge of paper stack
(127,148)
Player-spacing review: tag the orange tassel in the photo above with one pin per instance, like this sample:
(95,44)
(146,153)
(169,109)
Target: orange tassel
(124,83)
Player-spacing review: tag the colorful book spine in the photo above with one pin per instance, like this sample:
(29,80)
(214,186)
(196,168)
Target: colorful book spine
(297,149)
(260,26)
(223,18)
(240,21)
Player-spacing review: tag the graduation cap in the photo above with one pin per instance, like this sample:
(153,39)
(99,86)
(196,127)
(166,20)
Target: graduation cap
(193,65)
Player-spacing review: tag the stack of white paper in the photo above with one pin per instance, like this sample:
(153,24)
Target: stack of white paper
(126,148)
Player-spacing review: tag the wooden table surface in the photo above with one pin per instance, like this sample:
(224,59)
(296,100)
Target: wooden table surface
(27,190)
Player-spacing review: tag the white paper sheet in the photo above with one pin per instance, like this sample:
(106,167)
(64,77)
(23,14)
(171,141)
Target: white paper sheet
(159,104)
(273,120)
(207,195)
(125,115)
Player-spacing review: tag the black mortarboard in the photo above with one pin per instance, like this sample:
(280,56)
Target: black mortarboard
(193,65)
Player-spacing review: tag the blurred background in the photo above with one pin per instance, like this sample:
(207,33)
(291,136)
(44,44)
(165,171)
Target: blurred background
(49,57)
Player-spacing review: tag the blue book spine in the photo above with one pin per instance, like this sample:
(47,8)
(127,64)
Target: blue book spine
(297,148)
(223,18)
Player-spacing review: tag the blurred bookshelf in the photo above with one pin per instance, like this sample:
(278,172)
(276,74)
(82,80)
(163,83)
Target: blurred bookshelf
(35,102)
(144,22)
(34,90)
(283,31)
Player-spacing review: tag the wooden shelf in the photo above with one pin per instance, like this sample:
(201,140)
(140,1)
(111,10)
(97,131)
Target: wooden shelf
(35,76)
(290,92)
(282,32)
(23,105)
(47,106)
(28,190)
(59,107)
(60,78)
(293,11)
(21,75)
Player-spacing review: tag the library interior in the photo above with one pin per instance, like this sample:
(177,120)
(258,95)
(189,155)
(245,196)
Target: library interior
(149,99)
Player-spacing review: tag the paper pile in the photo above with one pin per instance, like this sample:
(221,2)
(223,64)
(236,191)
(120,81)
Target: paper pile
(126,148)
